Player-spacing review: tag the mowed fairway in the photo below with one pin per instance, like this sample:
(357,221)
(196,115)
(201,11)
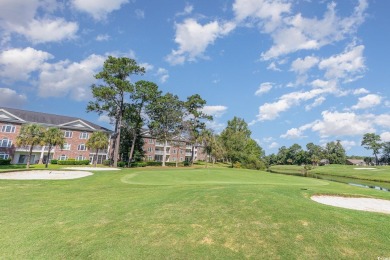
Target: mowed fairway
(186,214)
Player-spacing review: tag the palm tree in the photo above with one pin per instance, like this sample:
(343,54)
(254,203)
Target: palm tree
(30,135)
(98,140)
(52,137)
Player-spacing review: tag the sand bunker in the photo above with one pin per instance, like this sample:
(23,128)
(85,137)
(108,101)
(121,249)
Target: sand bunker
(365,204)
(44,175)
(92,168)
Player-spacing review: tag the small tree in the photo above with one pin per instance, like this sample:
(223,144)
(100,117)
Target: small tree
(30,135)
(52,137)
(371,141)
(97,141)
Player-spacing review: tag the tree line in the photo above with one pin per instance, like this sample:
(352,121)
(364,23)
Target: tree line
(134,106)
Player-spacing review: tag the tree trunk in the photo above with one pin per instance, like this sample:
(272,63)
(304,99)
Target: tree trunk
(48,156)
(177,157)
(192,154)
(29,156)
(132,149)
(95,162)
(164,153)
(117,142)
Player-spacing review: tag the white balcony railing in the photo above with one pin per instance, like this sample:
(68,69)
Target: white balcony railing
(35,149)
(159,152)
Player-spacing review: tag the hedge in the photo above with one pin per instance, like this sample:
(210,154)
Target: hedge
(5,161)
(73,162)
(54,161)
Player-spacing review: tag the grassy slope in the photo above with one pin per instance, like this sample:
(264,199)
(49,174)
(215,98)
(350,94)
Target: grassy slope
(186,214)
(381,173)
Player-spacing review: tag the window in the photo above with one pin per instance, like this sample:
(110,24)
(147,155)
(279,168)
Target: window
(62,157)
(150,141)
(84,135)
(150,149)
(8,129)
(150,158)
(79,158)
(174,151)
(68,134)
(181,159)
(66,146)
(4,156)
(5,142)
(81,147)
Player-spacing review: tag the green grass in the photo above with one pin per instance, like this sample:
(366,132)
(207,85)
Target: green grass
(186,214)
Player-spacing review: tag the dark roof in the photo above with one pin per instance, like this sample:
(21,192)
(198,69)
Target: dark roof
(48,119)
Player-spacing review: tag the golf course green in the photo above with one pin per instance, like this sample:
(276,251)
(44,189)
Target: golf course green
(187,213)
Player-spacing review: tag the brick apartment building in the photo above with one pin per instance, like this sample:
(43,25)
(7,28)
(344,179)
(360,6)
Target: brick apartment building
(176,150)
(76,133)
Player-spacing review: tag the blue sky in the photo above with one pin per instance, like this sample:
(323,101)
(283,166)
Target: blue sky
(297,71)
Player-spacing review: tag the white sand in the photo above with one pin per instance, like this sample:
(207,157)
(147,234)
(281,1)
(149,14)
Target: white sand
(364,168)
(365,204)
(92,168)
(44,175)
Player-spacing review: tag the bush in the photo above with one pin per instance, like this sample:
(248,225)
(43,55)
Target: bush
(186,163)
(5,161)
(106,162)
(152,163)
(121,164)
(138,164)
(73,162)
(53,161)
(237,165)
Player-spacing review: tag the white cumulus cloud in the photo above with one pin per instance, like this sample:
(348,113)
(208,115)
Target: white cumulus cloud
(98,9)
(368,101)
(264,88)
(193,38)
(66,78)
(10,98)
(17,64)
(215,111)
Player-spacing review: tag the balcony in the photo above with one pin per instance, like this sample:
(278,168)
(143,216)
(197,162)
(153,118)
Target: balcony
(162,144)
(159,152)
(36,149)
(188,154)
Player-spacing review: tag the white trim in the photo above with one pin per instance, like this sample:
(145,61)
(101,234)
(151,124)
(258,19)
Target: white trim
(5,111)
(79,121)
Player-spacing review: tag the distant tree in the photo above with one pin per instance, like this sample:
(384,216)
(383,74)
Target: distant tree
(335,152)
(386,153)
(218,152)
(282,155)
(372,141)
(97,141)
(195,122)
(208,142)
(110,96)
(235,137)
(53,137)
(30,135)
(165,119)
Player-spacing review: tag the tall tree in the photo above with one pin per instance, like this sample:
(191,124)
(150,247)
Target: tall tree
(143,94)
(208,143)
(97,141)
(335,152)
(53,137)
(372,141)
(166,117)
(195,122)
(110,96)
(235,138)
(30,135)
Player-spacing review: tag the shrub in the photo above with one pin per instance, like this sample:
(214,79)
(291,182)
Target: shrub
(73,162)
(5,161)
(237,165)
(186,163)
(106,162)
(152,163)
(53,161)
(138,164)
(121,164)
